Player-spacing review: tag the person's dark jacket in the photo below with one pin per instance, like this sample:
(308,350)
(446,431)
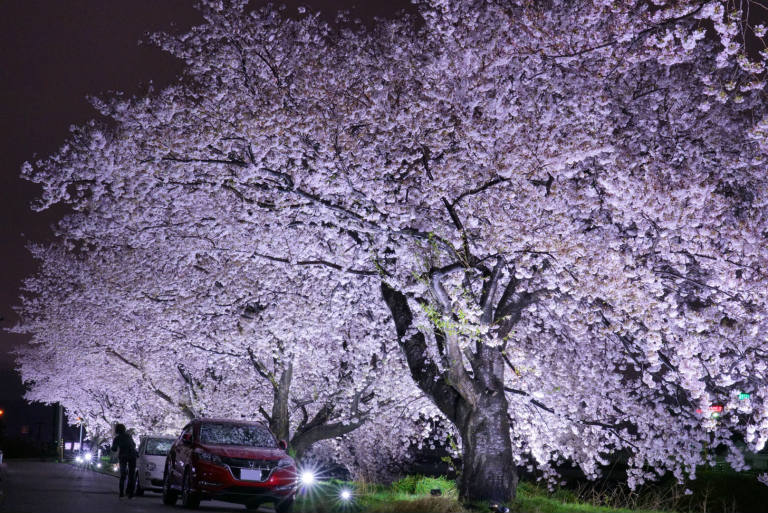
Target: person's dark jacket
(123,444)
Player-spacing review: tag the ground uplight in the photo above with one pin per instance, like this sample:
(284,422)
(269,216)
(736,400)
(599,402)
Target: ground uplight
(308,478)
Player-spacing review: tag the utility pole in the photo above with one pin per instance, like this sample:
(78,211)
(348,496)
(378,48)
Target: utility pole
(60,434)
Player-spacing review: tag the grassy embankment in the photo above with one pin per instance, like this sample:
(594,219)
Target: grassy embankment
(412,495)
(713,491)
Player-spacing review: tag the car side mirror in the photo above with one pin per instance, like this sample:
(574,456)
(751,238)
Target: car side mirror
(186,438)
(283,445)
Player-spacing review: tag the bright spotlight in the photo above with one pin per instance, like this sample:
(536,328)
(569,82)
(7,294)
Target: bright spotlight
(79,459)
(87,456)
(308,478)
(345,495)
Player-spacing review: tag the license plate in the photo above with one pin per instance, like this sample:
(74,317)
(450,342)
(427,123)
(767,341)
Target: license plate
(248,474)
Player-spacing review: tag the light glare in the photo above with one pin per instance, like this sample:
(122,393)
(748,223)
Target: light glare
(307,478)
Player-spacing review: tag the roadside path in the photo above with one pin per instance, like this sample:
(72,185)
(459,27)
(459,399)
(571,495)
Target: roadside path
(37,487)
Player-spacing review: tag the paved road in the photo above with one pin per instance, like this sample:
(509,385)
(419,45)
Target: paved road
(34,487)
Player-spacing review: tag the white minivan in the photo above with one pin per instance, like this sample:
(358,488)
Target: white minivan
(151,461)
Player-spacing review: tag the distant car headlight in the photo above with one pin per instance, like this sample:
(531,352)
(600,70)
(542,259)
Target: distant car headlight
(87,456)
(286,463)
(151,465)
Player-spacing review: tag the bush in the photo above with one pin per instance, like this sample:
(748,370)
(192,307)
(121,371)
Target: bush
(426,484)
(406,485)
(423,485)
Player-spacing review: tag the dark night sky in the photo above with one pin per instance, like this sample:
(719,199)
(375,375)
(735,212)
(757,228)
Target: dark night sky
(53,54)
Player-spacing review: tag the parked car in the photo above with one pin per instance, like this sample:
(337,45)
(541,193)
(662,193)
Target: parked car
(229,460)
(151,462)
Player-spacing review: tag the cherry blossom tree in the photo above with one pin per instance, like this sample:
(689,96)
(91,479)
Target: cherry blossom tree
(155,347)
(563,204)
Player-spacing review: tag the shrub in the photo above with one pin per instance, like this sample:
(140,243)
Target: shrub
(426,484)
(423,485)
(406,485)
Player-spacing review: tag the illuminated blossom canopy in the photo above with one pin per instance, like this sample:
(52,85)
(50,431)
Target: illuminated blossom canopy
(560,204)
(170,345)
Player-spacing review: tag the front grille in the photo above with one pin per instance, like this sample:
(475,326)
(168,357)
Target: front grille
(245,463)
(236,464)
(264,474)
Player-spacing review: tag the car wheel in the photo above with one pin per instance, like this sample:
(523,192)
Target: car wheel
(169,494)
(189,498)
(284,506)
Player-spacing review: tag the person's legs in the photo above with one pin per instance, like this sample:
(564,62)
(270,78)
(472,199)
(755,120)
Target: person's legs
(123,473)
(131,476)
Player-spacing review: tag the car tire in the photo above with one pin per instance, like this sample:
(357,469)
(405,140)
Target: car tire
(189,498)
(169,494)
(284,506)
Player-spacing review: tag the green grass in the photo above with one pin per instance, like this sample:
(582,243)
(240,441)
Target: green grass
(412,495)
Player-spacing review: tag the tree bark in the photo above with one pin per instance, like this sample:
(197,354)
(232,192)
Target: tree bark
(280,418)
(478,411)
(488,471)
(303,440)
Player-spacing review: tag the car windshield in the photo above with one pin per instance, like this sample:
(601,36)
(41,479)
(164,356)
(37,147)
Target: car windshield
(236,434)
(158,446)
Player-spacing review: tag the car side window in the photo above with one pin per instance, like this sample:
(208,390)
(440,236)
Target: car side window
(187,429)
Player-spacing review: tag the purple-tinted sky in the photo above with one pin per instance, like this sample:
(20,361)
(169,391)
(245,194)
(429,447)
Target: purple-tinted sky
(53,54)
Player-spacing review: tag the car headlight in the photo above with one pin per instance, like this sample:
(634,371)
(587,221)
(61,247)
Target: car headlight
(209,457)
(286,463)
(151,466)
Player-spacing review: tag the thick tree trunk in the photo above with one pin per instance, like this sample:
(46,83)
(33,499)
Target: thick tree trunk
(477,407)
(280,418)
(488,471)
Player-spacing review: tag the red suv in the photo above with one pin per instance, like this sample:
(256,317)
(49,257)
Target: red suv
(229,460)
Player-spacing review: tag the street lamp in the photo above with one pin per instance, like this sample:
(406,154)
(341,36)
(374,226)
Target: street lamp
(80,421)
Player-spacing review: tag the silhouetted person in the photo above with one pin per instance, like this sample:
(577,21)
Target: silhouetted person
(126,455)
